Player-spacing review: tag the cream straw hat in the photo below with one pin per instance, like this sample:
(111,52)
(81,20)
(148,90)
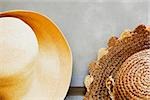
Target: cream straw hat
(35,58)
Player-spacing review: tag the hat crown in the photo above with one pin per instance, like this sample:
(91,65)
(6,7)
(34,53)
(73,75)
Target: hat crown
(18,45)
(18,51)
(133,78)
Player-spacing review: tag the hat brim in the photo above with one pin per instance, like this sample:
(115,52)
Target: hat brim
(54,64)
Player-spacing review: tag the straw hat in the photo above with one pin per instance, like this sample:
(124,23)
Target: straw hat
(122,70)
(36,60)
